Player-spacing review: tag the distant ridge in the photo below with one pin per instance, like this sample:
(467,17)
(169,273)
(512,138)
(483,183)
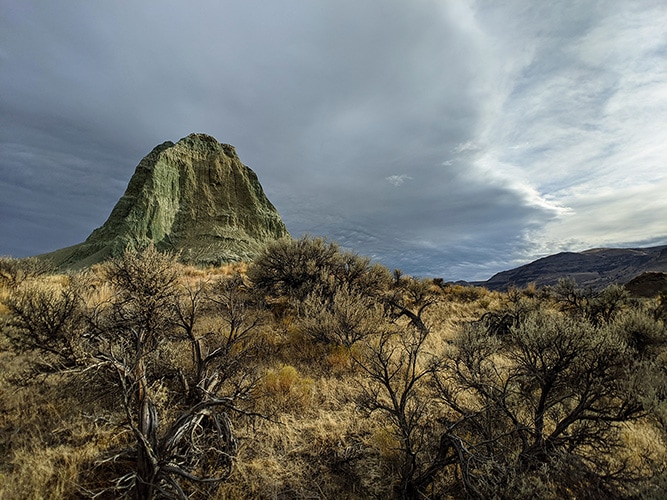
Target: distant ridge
(194,197)
(594,268)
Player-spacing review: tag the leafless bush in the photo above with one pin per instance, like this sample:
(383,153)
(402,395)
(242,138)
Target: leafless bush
(512,313)
(197,445)
(399,367)
(47,318)
(409,297)
(15,271)
(222,354)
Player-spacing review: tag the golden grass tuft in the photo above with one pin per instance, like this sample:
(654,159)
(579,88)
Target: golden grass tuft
(287,388)
(641,441)
(340,360)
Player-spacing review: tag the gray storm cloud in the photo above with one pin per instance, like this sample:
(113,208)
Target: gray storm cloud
(444,138)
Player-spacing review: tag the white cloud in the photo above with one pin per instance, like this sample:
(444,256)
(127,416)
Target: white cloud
(398,180)
(581,128)
(465,147)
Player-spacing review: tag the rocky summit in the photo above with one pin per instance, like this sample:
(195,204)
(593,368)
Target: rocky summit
(194,197)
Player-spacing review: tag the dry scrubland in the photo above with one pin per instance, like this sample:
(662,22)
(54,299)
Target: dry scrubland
(312,373)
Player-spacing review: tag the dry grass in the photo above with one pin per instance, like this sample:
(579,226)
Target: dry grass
(316,443)
(230,269)
(642,440)
(50,434)
(321,447)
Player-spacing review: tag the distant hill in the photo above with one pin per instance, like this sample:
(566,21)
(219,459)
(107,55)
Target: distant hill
(594,268)
(194,197)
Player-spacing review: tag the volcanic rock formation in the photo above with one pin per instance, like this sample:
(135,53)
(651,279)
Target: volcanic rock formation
(194,197)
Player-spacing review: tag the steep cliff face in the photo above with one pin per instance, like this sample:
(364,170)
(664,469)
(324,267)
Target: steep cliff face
(194,197)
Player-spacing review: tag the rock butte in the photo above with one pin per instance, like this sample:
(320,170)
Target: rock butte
(194,197)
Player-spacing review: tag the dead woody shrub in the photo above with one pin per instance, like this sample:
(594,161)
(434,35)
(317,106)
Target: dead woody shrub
(192,443)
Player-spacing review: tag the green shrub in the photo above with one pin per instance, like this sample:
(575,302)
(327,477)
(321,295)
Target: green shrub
(641,331)
(596,306)
(537,401)
(299,268)
(344,320)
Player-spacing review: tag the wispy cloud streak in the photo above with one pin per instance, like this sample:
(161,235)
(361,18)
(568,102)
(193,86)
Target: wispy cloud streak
(448,138)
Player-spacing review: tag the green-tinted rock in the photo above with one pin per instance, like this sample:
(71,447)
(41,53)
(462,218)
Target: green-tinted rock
(194,197)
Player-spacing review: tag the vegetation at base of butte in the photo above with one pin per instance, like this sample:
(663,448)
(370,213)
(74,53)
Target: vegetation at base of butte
(313,372)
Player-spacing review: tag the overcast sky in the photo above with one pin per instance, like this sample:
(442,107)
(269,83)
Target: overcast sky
(448,138)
